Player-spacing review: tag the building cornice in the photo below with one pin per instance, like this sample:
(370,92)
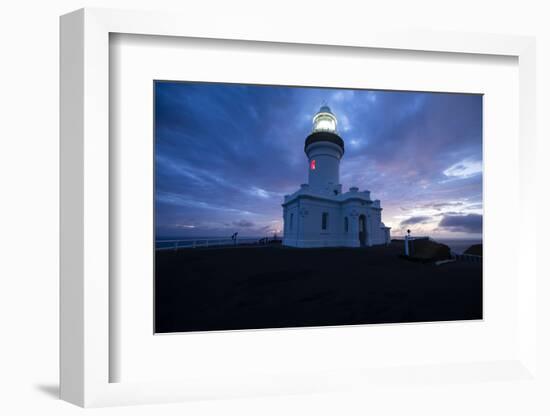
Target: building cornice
(342,198)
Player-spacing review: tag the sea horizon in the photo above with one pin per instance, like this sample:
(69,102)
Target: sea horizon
(457,245)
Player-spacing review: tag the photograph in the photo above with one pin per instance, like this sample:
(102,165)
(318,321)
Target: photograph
(282,206)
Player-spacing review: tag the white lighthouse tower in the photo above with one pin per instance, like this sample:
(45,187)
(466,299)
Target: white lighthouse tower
(324,149)
(319,214)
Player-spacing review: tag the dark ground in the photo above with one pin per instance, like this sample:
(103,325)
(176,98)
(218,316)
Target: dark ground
(271,287)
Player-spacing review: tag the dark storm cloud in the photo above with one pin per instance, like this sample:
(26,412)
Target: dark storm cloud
(471,223)
(227,153)
(416,220)
(243,224)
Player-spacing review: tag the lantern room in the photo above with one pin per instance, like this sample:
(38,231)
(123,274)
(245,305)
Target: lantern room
(324,120)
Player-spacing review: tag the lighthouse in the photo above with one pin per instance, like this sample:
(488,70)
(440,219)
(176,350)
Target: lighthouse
(324,149)
(319,213)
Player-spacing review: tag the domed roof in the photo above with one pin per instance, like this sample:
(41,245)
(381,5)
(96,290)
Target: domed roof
(325,109)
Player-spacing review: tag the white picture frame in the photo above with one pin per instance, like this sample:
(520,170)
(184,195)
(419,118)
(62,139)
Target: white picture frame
(85,210)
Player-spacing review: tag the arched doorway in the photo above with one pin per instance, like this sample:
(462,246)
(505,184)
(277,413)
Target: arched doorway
(362,231)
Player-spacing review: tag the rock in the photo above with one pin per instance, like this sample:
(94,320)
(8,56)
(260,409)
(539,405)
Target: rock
(429,251)
(475,250)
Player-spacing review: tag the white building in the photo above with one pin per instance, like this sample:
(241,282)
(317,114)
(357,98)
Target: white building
(319,214)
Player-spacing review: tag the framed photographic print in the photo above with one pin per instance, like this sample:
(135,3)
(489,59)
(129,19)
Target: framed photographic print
(273,213)
(243,243)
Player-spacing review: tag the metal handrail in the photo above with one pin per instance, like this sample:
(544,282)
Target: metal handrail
(211,242)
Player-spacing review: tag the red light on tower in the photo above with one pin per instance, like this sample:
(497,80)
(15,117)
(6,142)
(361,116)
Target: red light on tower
(312,164)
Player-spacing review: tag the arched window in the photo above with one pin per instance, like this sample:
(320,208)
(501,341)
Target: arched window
(346,224)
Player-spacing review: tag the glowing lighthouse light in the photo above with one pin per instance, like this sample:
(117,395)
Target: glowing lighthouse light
(312,164)
(324,120)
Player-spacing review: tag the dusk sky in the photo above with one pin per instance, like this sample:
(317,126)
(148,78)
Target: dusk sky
(226,154)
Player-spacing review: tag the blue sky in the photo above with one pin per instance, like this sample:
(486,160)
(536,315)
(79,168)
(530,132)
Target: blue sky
(226,154)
